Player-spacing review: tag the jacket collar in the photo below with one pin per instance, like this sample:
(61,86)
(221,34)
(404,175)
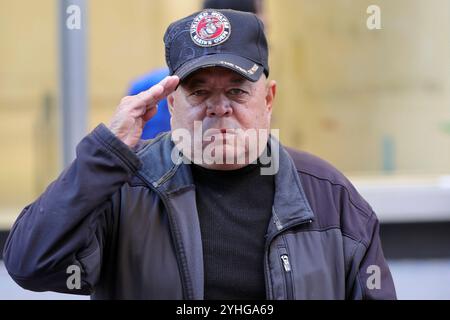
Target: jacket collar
(290,203)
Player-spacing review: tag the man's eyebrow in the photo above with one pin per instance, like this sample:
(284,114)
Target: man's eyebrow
(238,80)
(193,82)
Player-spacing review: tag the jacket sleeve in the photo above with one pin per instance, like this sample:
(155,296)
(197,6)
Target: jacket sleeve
(64,232)
(369,277)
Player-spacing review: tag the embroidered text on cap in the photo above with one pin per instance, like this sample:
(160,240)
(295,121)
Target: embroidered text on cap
(210,28)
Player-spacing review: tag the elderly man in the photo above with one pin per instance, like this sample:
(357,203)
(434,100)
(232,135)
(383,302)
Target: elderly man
(161,121)
(192,214)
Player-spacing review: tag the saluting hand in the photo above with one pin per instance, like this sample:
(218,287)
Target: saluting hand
(133,112)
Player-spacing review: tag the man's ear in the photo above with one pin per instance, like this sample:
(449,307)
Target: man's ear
(170,99)
(271,91)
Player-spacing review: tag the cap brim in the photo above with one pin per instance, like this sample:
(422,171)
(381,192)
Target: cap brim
(245,67)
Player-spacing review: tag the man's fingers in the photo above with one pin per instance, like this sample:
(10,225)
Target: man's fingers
(168,84)
(150,113)
(152,95)
(171,85)
(159,91)
(142,104)
(138,105)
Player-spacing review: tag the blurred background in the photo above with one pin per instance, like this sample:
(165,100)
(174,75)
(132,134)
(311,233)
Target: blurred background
(374,103)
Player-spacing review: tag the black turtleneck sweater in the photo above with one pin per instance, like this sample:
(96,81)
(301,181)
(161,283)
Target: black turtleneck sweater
(234,210)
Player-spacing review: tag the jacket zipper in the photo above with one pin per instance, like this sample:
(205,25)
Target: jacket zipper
(269,293)
(287,273)
(286,264)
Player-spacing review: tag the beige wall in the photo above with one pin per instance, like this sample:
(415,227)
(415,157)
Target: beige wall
(342,88)
(27,74)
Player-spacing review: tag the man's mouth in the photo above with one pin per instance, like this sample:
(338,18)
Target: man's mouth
(219,133)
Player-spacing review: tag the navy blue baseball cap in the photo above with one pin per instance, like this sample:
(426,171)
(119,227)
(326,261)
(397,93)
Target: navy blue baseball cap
(217,38)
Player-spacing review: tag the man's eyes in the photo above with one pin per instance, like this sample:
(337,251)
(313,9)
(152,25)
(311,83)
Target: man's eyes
(236,92)
(231,92)
(199,93)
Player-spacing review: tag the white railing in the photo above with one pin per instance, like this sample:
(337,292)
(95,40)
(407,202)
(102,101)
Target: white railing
(408,199)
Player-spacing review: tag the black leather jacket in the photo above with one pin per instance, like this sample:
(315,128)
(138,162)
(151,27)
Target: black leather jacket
(128,220)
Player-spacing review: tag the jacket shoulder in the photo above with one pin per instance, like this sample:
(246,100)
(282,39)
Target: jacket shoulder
(333,198)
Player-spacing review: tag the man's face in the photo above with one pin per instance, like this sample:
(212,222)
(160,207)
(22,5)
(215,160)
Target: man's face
(223,101)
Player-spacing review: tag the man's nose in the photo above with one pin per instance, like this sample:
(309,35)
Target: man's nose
(218,106)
